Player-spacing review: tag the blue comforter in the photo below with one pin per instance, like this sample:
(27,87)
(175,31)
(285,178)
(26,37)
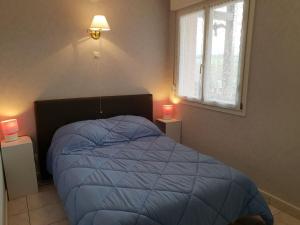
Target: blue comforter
(124,171)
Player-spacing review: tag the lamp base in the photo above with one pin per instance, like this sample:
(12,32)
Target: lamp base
(11,137)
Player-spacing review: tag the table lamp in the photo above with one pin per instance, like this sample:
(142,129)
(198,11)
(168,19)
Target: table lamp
(168,112)
(10,130)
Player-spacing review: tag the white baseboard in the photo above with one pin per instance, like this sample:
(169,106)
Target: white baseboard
(281,204)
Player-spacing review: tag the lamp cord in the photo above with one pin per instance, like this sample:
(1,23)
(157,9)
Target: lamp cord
(101,112)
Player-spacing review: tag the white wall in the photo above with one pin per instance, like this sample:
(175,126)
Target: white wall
(45,52)
(266,143)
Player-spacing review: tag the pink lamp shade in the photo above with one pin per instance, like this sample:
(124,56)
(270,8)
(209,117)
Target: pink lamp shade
(168,112)
(10,129)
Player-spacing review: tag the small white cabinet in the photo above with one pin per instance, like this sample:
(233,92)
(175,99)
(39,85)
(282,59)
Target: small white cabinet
(19,167)
(172,128)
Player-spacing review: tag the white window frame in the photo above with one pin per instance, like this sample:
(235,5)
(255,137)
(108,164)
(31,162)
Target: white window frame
(246,55)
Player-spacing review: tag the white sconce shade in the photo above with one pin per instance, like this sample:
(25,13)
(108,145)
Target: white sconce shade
(100,23)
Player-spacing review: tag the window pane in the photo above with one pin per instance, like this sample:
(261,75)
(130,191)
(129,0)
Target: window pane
(223,61)
(191,29)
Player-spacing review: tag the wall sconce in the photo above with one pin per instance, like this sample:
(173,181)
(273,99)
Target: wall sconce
(10,130)
(98,25)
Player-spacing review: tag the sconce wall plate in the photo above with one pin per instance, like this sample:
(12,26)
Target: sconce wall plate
(95,34)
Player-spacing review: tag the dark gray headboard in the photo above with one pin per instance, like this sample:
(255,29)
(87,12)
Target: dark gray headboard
(53,114)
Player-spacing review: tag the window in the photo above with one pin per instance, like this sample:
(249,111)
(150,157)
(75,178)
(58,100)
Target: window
(211,53)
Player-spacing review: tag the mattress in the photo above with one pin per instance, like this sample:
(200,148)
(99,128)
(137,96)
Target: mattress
(124,171)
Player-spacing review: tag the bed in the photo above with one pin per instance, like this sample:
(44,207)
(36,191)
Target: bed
(121,170)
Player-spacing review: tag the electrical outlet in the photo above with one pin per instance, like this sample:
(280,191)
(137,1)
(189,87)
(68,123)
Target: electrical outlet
(96,54)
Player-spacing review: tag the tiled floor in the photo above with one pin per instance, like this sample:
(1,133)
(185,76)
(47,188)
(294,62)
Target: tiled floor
(45,208)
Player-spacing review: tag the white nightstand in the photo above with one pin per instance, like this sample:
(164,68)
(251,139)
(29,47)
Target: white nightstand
(19,167)
(172,128)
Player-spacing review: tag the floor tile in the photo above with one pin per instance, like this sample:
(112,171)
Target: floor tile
(279,223)
(63,222)
(283,218)
(17,206)
(47,215)
(47,187)
(20,219)
(42,198)
(274,210)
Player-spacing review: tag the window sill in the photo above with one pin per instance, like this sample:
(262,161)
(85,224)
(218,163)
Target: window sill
(235,112)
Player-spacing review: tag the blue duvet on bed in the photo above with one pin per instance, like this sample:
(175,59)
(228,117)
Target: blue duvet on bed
(124,171)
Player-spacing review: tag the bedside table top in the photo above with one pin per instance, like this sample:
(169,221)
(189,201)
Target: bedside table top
(21,141)
(168,121)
